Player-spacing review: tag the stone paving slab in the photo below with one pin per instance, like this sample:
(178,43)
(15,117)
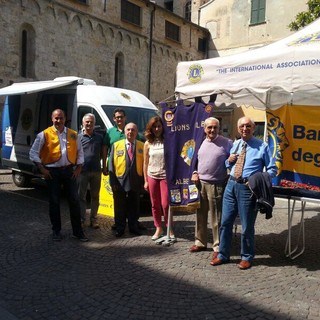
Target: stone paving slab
(133,278)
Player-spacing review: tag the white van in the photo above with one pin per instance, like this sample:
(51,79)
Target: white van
(28,107)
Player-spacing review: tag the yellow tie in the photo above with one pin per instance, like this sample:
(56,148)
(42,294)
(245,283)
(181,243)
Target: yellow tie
(240,162)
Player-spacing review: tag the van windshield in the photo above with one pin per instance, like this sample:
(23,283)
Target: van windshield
(140,116)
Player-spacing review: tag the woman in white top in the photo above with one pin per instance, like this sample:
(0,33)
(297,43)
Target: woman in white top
(155,174)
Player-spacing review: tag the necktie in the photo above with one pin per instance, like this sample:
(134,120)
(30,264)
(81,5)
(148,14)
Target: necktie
(130,151)
(240,162)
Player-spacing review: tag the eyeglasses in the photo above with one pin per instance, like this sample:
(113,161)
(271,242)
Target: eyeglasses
(212,127)
(119,117)
(245,126)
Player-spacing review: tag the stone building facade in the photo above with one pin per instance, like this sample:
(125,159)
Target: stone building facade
(237,26)
(132,44)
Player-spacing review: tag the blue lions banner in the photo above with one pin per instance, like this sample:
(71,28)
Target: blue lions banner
(293,138)
(183,133)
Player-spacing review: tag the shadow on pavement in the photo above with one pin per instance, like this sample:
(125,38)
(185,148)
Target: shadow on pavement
(132,278)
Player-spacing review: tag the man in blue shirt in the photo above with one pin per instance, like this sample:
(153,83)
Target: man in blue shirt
(90,175)
(238,198)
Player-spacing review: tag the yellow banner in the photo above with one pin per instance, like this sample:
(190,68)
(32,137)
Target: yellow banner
(293,137)
(106,197)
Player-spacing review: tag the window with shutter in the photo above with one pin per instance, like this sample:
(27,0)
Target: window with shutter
(172,31)
(130,12)
(258,11)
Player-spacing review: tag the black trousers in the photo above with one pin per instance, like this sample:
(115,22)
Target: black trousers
(63,177)
(126,206)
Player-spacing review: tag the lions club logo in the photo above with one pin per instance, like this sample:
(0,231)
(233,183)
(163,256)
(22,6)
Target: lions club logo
(195,73)
(307,39)
(26,119)
(126,96)
(187,151)
(278,141)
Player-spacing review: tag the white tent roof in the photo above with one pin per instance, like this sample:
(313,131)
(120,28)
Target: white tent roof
(284,72)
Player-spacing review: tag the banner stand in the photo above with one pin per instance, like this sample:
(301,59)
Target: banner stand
(167,241)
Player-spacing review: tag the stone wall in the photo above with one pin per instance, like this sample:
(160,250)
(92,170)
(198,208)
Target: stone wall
(71,38)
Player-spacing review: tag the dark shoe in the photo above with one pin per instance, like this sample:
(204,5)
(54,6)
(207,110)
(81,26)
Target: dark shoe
(244,265)
(94,225)
(81,236)
(136,232)
(141,226)
(56,236)
(119,234)
(114,227)
(215,255)
(217,262)
(195,248)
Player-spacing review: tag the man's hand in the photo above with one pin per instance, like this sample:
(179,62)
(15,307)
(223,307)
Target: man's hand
(195,178)
(105,171)
(45,172)
(115,188)
(77,171)
(233,158)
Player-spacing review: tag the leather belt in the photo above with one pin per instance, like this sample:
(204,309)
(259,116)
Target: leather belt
(61,168)
(240,180)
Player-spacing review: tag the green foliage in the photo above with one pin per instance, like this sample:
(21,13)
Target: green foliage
(306,17)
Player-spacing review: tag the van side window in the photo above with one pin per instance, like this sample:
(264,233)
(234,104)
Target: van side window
(100,126)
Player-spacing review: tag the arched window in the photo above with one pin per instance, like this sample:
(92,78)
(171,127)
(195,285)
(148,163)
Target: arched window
(27,52)
(119,71)
(187,11)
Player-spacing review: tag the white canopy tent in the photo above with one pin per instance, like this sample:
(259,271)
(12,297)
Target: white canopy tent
(284,72)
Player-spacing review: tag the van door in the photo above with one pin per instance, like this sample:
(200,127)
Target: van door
(55,99)
(19,118)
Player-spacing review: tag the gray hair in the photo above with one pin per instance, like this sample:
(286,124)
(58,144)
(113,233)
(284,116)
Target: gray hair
(246,118)
(211,119)
(90,115)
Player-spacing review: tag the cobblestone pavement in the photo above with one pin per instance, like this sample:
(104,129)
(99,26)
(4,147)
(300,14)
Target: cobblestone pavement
(133,278)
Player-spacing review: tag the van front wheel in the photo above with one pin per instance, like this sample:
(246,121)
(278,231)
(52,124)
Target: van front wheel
(21,180)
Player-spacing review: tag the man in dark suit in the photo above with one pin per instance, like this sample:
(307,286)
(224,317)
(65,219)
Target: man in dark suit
(126,179)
